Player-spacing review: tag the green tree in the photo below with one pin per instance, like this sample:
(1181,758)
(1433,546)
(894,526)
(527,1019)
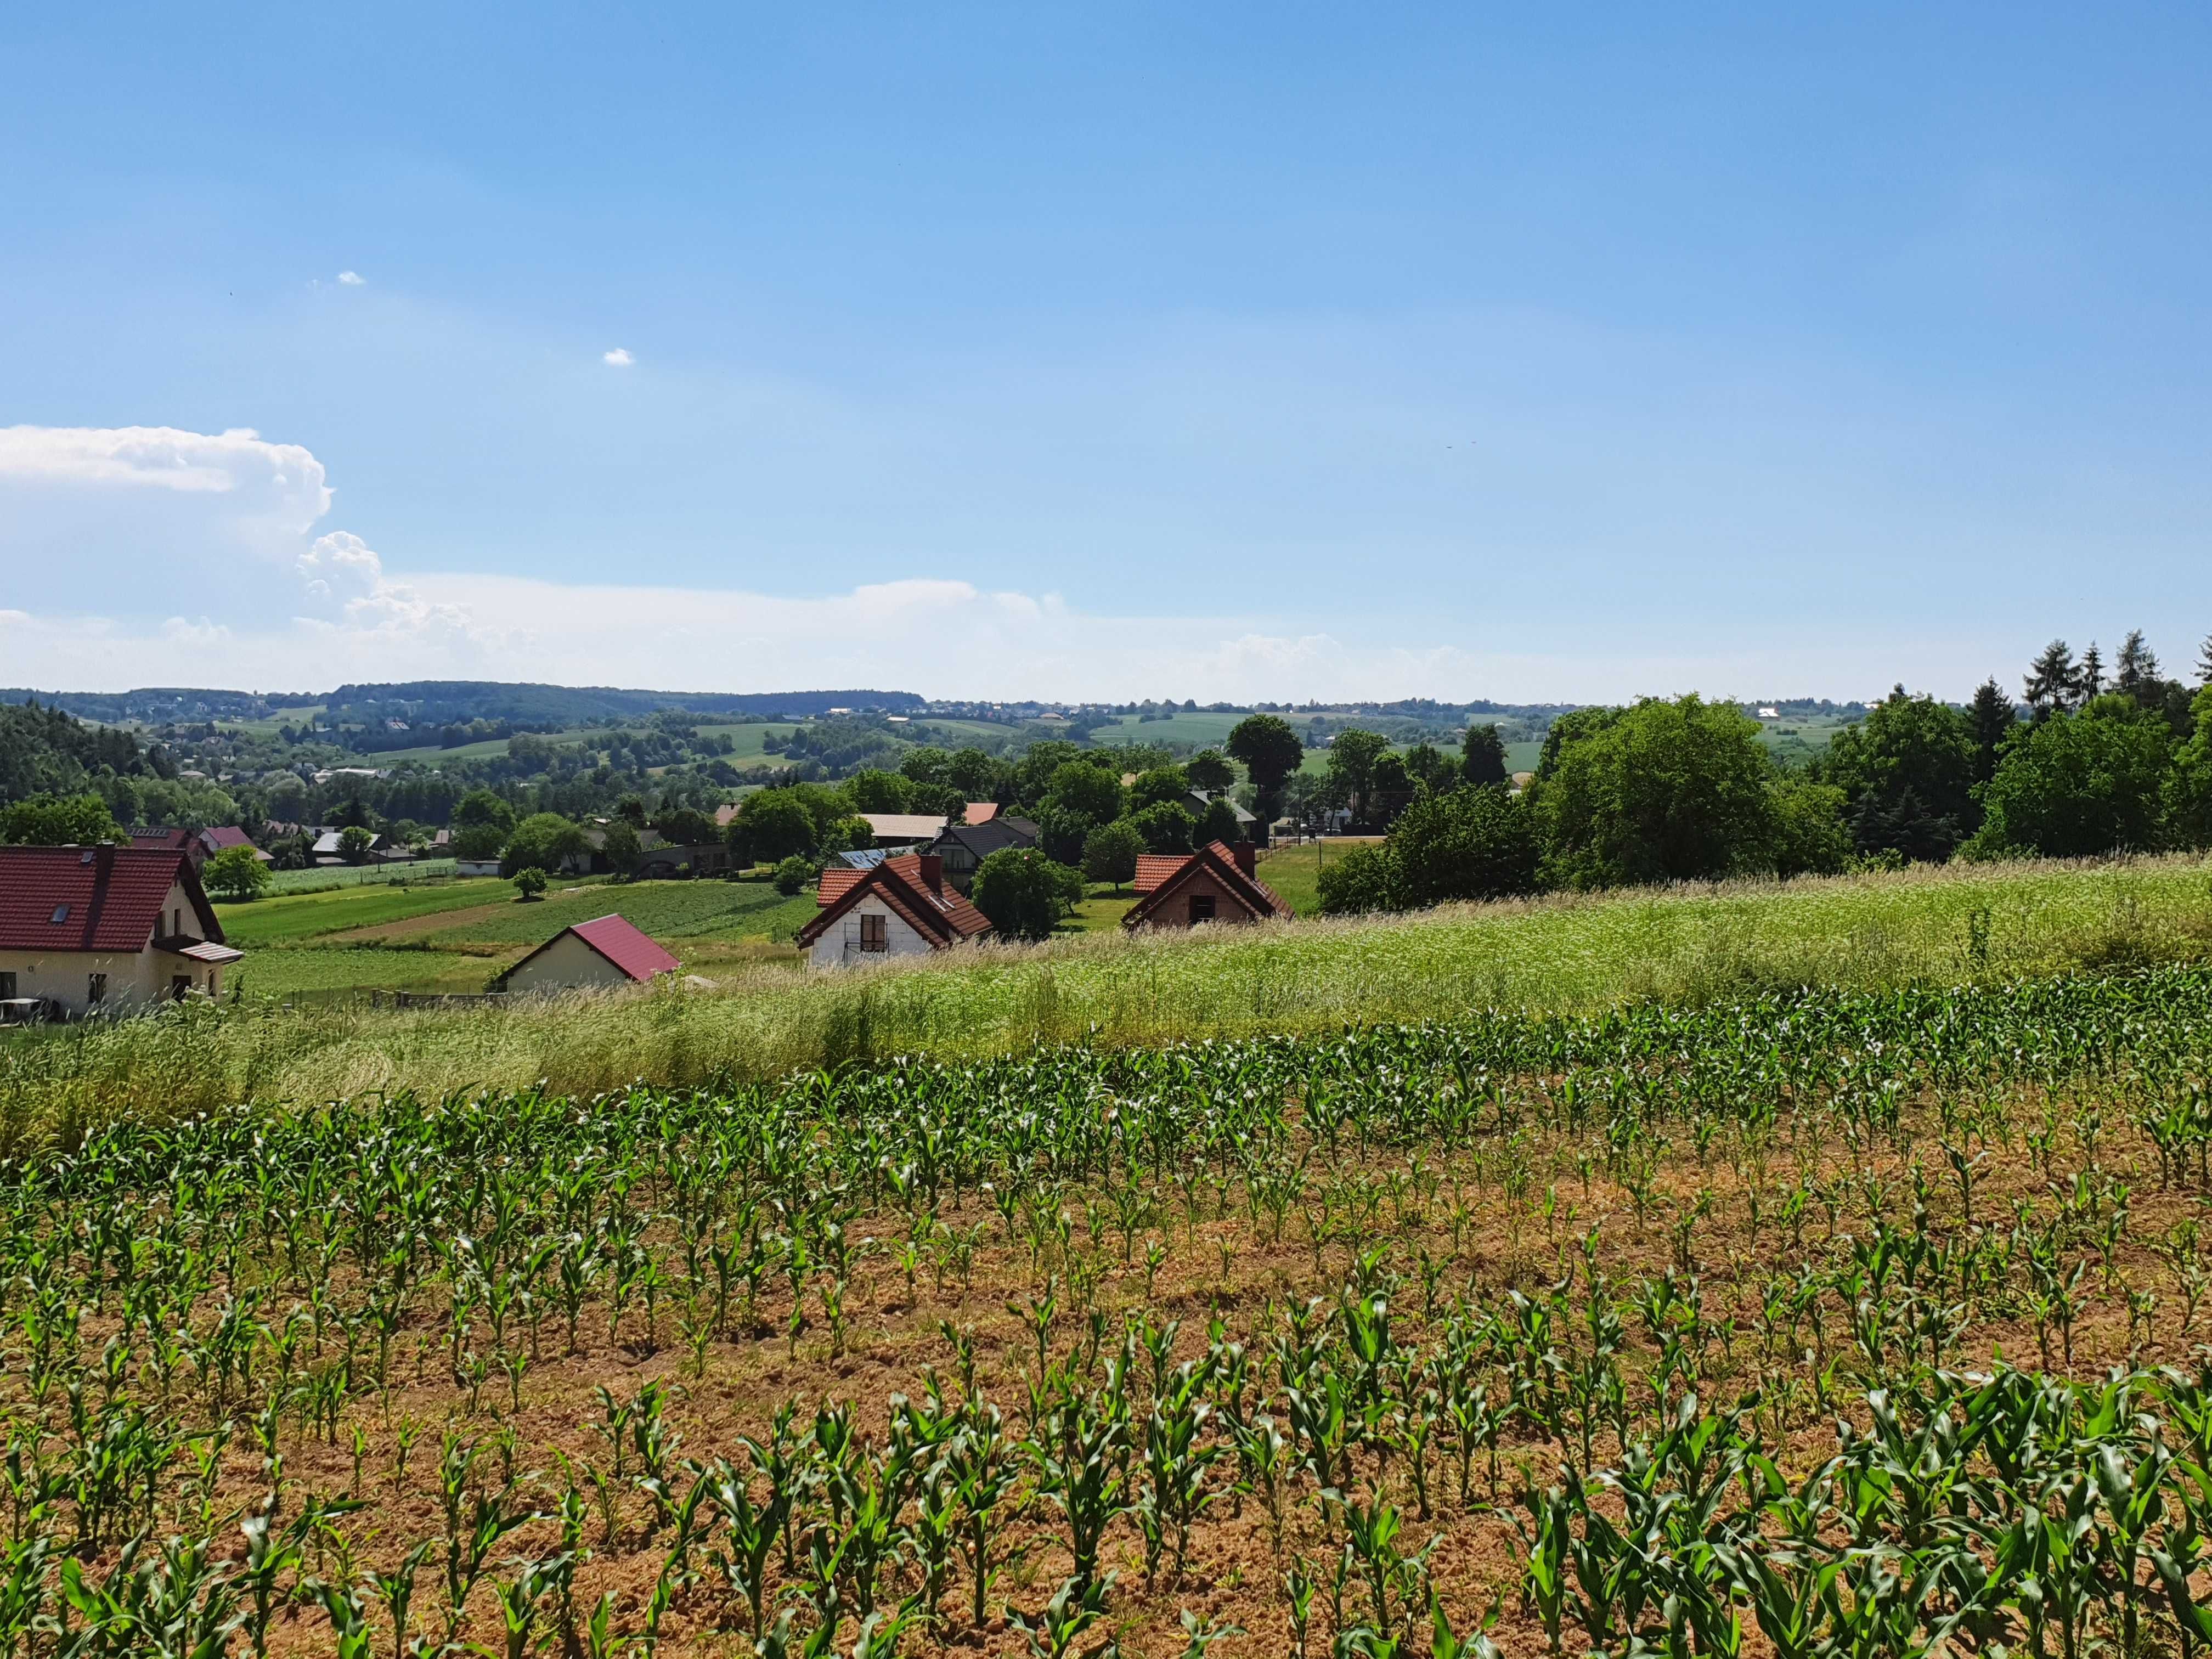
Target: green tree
(883,792)
(1810,836)
(1269,752)
(1080,787)
(541,842)
(1991,719)
(773,826)
(1907,776)
(236,873)
(2135,675)
(792,874)
(1218,822)
(1210,770)
(1021,890)
(1062,833)
(1160,784)
(479,840)
(1571,728)
(1353,754)
(1033,775)
(50,821)
(630,809)
(623,847)
(1110,852)
(2052,681)
(1165,826)
(355,843)
(480,808)
(1665,792)
(2187,790)
(1473,843)
(2078,785)
(529,883)
(2204,661)
(1367,878)
(1482,756)
(851,835)
(686,826)
(1431,768)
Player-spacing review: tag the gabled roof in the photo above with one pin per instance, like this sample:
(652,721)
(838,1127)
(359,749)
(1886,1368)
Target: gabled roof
(1153,868)
(158,837)
(941,915)
(980,811)
(982,839)
(1217,859)
(217,839)
(109,899)
(621,944)
(904,826)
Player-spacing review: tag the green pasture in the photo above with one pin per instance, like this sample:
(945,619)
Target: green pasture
(305,916)
(333,877)
(667,910)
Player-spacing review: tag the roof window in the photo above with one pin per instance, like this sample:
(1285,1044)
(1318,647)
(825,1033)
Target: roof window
(61,913)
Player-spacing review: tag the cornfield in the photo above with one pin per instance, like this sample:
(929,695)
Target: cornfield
(1839,1322)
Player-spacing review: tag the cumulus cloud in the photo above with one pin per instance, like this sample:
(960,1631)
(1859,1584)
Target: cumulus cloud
(238,462)
(618,358)
(353,279)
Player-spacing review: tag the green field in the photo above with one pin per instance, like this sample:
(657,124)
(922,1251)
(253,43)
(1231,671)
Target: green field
(1205,731)
(1295,872)
(304,915)
(1963,924)
(331,878)
(668,911)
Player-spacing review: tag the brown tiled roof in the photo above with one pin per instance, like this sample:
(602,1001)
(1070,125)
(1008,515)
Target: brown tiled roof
(942,916)
(1153,868)
(107,899)
(837,880)
(1218,860)
(980,811)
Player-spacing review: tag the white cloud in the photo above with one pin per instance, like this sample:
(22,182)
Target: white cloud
(238,462)
(353,279)
(618,358)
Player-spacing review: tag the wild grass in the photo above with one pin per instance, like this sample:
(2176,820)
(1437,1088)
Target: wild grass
(1959,925)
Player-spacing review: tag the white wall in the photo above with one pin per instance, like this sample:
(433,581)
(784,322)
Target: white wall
(133,982)
(840,943)
(566,964)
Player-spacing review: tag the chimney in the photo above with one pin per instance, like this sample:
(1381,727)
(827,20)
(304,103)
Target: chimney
(104,866)
(932,872)
(1247,857)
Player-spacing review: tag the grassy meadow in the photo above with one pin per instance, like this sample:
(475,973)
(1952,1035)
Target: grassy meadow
(1959,925)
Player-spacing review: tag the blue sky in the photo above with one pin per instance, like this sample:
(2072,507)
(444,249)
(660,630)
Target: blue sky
(1226,352)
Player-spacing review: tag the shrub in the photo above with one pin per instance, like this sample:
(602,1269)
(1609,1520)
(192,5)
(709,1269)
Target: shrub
(235,873)
(1366,878)
(1473,843)
(529,883)
(792,874)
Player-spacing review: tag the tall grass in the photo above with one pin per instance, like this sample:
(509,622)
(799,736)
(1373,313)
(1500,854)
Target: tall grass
(1952,926)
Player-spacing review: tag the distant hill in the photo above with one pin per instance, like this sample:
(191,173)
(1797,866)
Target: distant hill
(439,702)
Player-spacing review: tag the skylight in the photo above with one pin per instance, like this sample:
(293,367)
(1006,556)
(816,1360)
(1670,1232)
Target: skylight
(61,913)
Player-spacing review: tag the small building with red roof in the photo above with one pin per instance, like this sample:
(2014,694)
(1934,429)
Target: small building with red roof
(1218,883)
(105,930)
(902,906)
(598,955)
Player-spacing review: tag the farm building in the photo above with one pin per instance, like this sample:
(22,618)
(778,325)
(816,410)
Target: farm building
(591,955)
(902,906)
(105,929)
(902,828)
(1218,883)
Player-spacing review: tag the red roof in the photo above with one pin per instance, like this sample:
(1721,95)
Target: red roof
(1218,860)
(619,942)
(110,899)
(218,840)
(1153,868)
(938,914)
(837,880)
(158,837)
(980,811)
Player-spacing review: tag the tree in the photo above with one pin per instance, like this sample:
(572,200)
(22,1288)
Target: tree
(1352,757)
(2078,786)
(479,840)
(1908,750)
(2089,677)
(2135,675)
(1432,770)
(848,835)
(1218,822)
(792,874)
(1811,838)
(2204,662)
(1165,826)
(623,847)
(885,792)
(236,873)
(1062,833)
(2187,793)
(1482,756)
(1367,878)
(1208,769)
(1665,792)
(481,808)
(1270,753)
(51,821)
(543,840)
(1161,784)
(772,826)
(1991,719)
(1110,852)
(630,809)
(1021,890)
(2051,680)
(1080,787)
(529,883)
(354,815)
(685,826)
(1569,729)
(1473,843)
(355,843)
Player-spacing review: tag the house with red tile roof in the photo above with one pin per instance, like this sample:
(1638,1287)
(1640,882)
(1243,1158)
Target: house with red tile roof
(599,955)
(902,906)
(1218,883)
(105,930)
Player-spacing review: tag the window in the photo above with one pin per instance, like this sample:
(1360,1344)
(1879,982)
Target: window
(95,987)
(1201,907)
(60,915)
(875,933)
(180,987)
(176,922)
(6,988)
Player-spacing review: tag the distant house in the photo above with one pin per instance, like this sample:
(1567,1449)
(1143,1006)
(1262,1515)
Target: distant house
(980,811)
(964,846)
(212,841)
(708,858)
(902,828)
(727,814)
(1247,824)
(329,846)
(86,929)
(591,955)
(1218,883)
(902,907)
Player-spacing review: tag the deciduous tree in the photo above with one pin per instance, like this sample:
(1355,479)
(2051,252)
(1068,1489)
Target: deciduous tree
(1482,756)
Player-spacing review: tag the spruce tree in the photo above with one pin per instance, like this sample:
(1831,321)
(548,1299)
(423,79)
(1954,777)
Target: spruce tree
(2050,679)
(2204,662)
(1992,717)
(2137,674)
(2090,678)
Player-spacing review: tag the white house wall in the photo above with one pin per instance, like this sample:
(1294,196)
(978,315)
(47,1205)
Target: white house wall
(566,964)
(840,943)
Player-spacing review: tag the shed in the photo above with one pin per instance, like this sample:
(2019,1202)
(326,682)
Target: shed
(591,955)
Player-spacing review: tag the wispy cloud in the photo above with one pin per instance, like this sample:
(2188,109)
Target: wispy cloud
(353,279)
(618,358)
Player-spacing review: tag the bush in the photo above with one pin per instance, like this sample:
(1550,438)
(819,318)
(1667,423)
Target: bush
(529,883)
(1473,843)
(1023,891)
(792,874)
(2076,787)
(235,873)
(48,821)
(1366,878)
